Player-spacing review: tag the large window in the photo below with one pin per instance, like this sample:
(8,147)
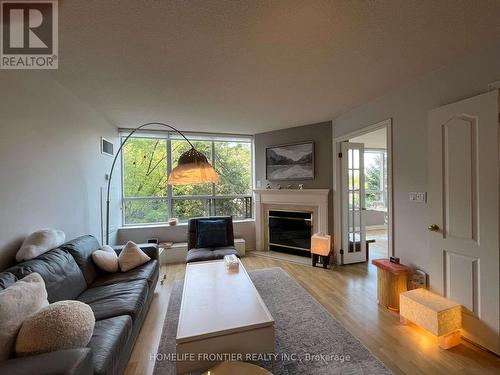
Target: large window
(148,199)
(375,179)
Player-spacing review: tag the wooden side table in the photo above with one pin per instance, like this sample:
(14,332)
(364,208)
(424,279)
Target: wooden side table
(391,281)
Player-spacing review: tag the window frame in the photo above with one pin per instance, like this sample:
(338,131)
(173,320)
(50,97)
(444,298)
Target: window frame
(170,136)
(383,175)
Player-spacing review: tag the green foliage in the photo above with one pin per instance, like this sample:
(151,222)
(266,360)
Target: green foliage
(373,183)
(145,167)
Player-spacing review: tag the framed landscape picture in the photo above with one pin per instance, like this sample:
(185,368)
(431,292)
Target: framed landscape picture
(290,162)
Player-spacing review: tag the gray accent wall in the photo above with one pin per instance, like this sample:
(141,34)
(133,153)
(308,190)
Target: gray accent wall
(321,134)
(408,106)
(51,167)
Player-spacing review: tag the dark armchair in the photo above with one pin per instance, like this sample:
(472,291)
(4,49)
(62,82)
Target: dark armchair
(210,238)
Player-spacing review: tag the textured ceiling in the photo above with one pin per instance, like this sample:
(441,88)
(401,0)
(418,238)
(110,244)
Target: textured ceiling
(253,66)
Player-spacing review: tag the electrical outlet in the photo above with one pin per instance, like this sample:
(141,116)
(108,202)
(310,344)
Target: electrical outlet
(418,197)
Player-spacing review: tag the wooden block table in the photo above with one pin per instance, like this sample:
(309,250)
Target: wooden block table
(438,315)
(391,281)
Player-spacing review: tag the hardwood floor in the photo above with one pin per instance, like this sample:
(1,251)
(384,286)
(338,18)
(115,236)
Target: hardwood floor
(349,294)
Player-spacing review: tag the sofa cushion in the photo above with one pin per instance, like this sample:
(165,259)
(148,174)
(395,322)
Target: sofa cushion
(63,278)
(131,257)
(211,233)
(125,298)
(17,303)
(203,254)
(6,280)
(108,343)
(146,272)
(40,242)
(81,249)
(58,326)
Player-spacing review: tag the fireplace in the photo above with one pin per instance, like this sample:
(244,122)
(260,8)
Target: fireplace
(290,231)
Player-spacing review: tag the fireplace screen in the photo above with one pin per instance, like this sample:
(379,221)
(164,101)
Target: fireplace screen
(290,231)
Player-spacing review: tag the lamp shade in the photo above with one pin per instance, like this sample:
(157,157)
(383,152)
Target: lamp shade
(321,244)
(193,168)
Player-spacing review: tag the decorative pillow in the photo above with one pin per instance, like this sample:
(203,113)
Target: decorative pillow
(106,259)
(61,325)
(40,242)
(20,300)
(131,256)
(211,233)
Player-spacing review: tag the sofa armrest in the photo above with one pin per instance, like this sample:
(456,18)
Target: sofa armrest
(151,249)
(70,361)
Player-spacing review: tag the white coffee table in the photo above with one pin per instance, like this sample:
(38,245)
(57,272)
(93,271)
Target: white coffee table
(221,312)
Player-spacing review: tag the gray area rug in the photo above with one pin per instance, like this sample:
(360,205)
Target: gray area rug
(303,327)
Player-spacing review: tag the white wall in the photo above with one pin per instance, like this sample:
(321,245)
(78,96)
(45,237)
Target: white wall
(242,229)
(51,168)
(408,106)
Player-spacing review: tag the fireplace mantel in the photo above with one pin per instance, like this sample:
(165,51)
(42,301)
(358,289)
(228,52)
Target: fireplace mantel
(313,200)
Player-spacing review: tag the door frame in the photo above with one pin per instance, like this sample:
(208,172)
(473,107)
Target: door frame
(337,172)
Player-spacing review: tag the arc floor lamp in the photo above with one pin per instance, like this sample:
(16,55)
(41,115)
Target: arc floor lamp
(192,168)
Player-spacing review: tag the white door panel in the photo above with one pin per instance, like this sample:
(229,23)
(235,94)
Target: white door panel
(353,203)
(463,205)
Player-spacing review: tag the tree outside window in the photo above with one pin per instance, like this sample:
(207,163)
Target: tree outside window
(375,180)
(148,199)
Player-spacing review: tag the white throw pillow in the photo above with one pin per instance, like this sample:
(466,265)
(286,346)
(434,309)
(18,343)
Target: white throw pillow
(132,256)
(106,259)
(20,300)
(61,325)
(40,242)
(108,248)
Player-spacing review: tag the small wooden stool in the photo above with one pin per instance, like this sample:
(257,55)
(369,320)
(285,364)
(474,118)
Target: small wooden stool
(391,281)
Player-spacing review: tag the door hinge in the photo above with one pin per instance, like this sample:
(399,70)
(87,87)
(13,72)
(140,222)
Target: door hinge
(340,154)
(341,251)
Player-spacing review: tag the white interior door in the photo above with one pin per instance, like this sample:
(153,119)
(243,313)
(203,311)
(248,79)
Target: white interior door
(353,203)
(464,212)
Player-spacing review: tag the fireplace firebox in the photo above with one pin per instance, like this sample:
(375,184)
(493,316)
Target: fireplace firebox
(290,231)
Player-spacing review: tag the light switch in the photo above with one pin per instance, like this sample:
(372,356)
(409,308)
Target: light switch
(418,197)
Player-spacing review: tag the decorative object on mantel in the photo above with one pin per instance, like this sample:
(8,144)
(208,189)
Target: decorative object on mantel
(173,221)
(437,315)
(290,162)
(301,186)
(192,168)
(391,282)
(321,246)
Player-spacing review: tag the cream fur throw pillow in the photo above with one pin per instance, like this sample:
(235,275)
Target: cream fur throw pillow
(40,242)
(106,259)
(132,256)
(61,325)
(17,303)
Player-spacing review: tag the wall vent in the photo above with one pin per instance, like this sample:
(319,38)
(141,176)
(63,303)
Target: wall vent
(107,147)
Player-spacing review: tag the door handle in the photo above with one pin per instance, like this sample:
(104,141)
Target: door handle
(433,227)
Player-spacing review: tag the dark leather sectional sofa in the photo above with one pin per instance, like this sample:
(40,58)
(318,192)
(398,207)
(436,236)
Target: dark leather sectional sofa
(120,302)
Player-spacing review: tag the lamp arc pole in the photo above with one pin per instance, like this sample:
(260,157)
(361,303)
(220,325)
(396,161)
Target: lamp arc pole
(116,157)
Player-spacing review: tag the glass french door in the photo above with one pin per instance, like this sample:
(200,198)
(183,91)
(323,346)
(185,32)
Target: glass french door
(353,203)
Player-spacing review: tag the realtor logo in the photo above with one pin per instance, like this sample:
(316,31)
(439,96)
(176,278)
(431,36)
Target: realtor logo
(29,37)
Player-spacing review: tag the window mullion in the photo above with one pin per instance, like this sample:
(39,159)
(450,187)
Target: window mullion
(212,201)
(169,168)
